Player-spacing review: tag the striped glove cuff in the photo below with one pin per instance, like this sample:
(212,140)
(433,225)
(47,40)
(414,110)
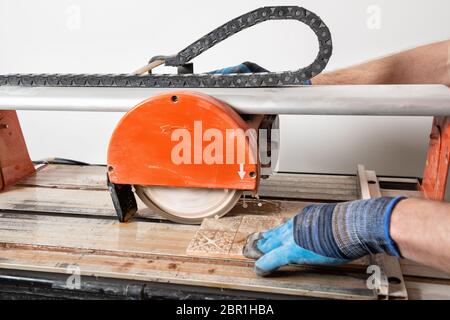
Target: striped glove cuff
(347,230)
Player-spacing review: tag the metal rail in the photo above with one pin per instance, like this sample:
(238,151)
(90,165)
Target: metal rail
(373,100)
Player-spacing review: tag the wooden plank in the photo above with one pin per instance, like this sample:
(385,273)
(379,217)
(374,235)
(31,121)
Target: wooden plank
(280,185)
(397,192)
(280,177)
(94,234)
(57,200)
(68,176)
(309,186)
(406,193)
(64,189)
(412,268)
(52,181)
(426,289)
(414,181)
(65,201)
(291,186)
(267,207)
(29,242)
(299,281)
(106,235)
(307,193)
(98,203)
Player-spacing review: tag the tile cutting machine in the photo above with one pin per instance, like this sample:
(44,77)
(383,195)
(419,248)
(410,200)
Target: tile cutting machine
(190,144)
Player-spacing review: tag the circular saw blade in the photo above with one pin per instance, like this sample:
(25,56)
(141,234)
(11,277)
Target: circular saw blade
(188,205)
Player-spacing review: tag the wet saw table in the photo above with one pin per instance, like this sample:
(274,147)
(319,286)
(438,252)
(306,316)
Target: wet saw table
(59,233)
(60,222)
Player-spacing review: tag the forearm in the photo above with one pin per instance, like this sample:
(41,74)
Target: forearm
(421,230)
(428,64)
(337,233)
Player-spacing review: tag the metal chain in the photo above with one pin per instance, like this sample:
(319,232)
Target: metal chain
(267,79)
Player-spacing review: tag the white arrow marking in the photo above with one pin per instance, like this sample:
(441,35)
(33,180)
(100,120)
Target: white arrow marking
(241,171)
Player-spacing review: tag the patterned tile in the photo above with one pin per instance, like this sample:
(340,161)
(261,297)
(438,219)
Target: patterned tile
(251,224)
(226,237)
(211,243)
(230,224)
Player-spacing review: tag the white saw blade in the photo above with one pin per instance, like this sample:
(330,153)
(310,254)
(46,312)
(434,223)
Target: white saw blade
(188,205)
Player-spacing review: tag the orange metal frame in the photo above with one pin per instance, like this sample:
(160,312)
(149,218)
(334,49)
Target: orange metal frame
(437,166)
(140,149)
(15,163)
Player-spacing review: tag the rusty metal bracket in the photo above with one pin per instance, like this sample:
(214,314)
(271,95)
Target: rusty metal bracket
(15,163)
(437,165)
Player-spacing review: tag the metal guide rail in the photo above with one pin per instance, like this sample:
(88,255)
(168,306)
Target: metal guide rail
(373,100)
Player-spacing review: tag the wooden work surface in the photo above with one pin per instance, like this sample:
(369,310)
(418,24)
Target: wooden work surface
(63,217)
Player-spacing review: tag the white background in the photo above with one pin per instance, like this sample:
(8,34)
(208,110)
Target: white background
(107,36)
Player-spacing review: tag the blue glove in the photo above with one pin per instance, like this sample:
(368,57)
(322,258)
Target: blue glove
(246,67)
(326,234)
(279,248)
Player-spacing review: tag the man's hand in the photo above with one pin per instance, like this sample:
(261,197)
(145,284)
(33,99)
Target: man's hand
(326,234)
(277,247)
